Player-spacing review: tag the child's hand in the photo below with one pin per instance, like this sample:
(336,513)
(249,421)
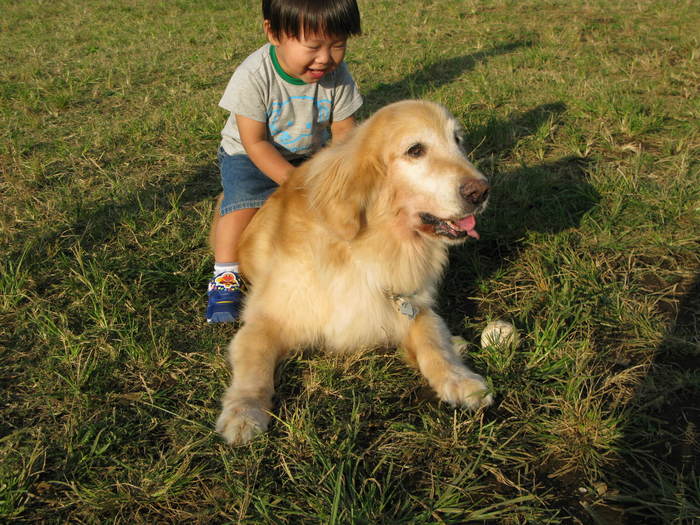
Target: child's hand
(340,129)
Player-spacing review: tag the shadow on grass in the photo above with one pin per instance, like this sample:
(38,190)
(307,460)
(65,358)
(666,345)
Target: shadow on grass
(432,76)
(659,480)
(676,404)
(94,223)
(499,136)
(48,254)
(549,197)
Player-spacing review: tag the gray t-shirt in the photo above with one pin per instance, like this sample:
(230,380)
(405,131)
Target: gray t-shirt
(298,115)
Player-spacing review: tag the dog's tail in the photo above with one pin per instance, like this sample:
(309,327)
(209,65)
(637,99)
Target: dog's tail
(215,220)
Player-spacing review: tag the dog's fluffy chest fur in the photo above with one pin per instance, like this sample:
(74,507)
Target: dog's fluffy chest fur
(363,297)
(347,302)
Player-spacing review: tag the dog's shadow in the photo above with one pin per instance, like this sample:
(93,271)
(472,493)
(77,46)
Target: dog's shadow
(545,198)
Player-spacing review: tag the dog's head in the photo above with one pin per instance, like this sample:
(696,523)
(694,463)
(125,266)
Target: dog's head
(408,156)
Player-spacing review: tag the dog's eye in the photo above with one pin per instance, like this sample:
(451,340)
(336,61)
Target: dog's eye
(458,138)
(415,151)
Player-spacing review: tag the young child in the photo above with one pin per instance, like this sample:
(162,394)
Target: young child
(285,100)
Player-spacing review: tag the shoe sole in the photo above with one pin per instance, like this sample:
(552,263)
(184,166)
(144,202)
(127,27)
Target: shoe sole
(221,317)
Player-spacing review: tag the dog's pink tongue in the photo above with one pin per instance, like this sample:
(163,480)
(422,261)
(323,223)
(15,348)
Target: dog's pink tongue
(468,224)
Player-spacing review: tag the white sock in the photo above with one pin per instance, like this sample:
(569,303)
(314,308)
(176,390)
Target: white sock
(225,267)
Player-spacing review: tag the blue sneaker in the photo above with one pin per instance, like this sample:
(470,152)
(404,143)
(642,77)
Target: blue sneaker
(225,297)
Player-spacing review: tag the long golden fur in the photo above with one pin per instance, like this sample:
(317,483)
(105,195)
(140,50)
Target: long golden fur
(348,253)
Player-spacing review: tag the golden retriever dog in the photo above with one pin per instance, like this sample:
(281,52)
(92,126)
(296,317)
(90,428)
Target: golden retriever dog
(348,253)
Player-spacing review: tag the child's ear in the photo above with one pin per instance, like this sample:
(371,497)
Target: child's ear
(268,33)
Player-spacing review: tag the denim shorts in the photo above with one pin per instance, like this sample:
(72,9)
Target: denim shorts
(245,186)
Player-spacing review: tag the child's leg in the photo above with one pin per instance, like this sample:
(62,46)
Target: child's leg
(224,293)
(228,232)
(245,189)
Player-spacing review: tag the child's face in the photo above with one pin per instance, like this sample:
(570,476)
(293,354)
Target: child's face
(310,57)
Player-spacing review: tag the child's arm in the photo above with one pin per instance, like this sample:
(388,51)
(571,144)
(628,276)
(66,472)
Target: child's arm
(341,128)
(261,151)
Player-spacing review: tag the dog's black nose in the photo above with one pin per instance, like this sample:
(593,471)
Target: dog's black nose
(475,191)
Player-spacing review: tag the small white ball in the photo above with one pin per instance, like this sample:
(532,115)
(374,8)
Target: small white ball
(500,333)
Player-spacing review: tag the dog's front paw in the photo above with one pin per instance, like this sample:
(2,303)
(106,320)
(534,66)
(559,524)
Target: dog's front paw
(239,424)
(464,388)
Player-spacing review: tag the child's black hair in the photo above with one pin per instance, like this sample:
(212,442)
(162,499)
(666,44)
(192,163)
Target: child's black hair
(295,18)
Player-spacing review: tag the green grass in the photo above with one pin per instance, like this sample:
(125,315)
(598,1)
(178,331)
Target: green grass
(586,117)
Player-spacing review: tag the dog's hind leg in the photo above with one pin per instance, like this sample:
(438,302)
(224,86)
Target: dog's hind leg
(429,345)
(253,354)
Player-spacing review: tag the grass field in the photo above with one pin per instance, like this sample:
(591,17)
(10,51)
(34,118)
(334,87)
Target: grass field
(586,116)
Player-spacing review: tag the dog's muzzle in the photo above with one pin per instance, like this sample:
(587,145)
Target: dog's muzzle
(475,193)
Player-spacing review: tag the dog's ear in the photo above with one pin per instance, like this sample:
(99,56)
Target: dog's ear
(339,182)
